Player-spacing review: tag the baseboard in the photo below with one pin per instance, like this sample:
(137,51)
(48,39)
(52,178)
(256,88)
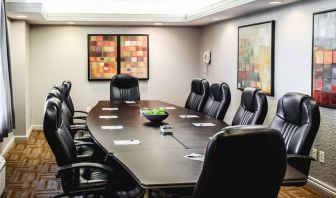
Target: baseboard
(325,189)
(9,145)
(23,138)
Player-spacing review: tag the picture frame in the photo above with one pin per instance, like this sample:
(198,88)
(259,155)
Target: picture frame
(323,75)
(112,54)
(255,64)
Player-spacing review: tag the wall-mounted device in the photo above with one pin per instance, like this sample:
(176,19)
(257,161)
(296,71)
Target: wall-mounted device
(207,57)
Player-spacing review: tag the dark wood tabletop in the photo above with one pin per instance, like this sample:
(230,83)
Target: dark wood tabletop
(158,160)
(137,127)
(162,168)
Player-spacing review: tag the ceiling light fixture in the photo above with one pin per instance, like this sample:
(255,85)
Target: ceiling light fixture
(158,23)
(71,22)
(21,16)
(276,2)
(215,19)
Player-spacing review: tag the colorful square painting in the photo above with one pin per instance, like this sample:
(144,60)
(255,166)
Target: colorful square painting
(111,54)
(102,56)
(324,58)
(134,55)
(256,56)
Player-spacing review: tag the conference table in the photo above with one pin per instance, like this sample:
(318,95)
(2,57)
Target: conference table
(157,161)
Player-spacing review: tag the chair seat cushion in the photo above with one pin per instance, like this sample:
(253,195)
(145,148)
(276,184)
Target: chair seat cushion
(84,150)
(82,135)
(92,177)
(131,193)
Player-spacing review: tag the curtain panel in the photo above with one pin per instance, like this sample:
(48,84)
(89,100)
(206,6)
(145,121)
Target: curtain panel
(6,102)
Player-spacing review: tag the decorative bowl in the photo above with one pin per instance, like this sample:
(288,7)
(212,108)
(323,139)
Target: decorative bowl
(156,118)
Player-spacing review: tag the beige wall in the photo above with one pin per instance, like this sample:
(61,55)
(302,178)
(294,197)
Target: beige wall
(293,51)
(60,52)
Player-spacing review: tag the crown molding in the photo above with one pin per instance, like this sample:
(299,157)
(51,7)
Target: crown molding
(91,17)
(24,7)
(216,8)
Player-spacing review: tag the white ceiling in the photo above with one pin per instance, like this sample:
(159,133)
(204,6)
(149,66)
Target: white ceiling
(134,12)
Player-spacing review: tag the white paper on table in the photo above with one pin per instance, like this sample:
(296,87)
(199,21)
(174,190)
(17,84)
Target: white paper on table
(130,102)
(126,142)
(189,116)
(112,127)
(108,116)
(109,109)
(169,108)
(195,156)
(206,124)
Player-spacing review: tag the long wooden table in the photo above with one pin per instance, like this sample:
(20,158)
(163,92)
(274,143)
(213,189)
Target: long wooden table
(158,161)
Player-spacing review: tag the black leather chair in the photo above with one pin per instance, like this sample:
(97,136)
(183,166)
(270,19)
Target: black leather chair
(240,162)
(66,85)
(77,177)
(243,162)
(78,131)
(218,101)
(124,87)
(253,108)
(298,119)
(199,95)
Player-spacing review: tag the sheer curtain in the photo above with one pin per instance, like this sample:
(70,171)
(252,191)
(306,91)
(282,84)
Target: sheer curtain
(6,107)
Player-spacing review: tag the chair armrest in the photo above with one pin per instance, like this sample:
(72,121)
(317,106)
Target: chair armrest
(84,158)
(300,162)
(80,143)
(102,167)
(302,157)
(78,127)
(79,117)
(81,112)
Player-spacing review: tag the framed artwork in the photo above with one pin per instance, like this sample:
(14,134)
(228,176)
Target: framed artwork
(256,56)
(324,58)
(102,57)
(134,55)
(111,54)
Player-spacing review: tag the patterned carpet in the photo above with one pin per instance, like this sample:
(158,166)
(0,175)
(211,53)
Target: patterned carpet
(31,169)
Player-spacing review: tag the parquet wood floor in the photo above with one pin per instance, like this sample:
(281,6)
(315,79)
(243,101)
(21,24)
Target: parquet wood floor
(31,169)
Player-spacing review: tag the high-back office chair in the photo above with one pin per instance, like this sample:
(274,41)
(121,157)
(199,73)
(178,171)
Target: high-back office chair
(198,95)
(77,178)
(253,108)
(298,119)
(66,85)
(79,132)
(124,87)
(218,101)
(243,162)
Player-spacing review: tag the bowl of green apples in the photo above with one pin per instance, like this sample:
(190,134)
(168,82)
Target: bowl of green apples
(156,115)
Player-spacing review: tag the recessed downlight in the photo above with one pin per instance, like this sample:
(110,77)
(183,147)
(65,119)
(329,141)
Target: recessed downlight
(21,16)
(158,23)
(215,19)
(276,2)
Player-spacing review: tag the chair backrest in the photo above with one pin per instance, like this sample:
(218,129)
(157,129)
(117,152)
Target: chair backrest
(66,85)
(66,114)
(218,101)
(59,140)
(253,108)
(124,87)
(243,162)
(298,119)
(198,95)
